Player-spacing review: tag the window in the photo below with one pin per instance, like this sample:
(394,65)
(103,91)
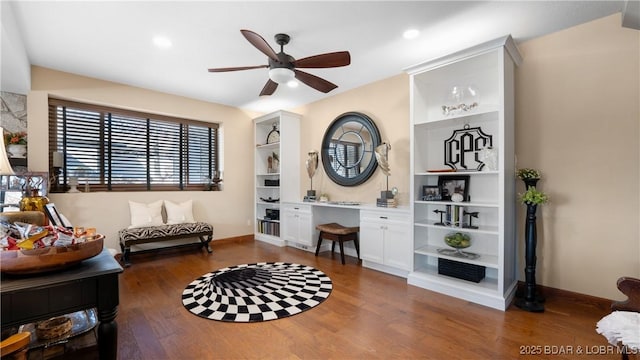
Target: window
(120,150)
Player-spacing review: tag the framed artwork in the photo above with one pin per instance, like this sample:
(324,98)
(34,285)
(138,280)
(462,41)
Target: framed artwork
(451,184)
(431,193)
(54,216)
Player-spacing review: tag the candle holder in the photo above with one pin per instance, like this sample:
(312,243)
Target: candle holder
(215,182)
(471,215)
(441,212)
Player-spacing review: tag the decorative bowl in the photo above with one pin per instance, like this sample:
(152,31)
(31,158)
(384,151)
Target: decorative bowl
(46,259)
(458,240)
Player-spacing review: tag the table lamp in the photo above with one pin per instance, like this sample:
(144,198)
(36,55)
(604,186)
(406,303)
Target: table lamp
(58,163)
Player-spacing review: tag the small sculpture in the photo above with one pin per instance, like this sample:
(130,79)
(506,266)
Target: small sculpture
(312,166)
(382,156)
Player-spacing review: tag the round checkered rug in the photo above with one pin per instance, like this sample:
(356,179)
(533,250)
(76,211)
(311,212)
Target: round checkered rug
(256,292)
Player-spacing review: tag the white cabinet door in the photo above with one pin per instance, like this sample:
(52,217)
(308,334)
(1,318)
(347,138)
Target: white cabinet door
(290,225)
(305,229)
(397,246)
(297,224)
(385,238)
(371,242)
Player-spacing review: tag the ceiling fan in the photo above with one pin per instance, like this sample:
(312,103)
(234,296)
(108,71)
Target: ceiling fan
(283,67)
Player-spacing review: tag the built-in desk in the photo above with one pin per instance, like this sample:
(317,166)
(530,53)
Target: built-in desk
(385,233)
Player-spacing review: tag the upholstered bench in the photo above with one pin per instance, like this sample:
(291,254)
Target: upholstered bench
(143,235)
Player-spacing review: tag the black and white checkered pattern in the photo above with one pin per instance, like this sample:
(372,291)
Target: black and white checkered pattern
(256,292)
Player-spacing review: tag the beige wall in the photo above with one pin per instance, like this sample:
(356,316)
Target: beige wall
(228,211)
(387,104)
(578,121)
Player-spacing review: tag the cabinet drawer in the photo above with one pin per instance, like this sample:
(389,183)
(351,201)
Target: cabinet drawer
(377,216)
(297,208)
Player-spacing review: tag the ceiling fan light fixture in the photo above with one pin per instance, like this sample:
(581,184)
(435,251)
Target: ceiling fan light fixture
(411,34)
(281,75)
(162,42)
(292,84)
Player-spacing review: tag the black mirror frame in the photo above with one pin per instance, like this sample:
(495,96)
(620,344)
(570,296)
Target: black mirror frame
(368,171)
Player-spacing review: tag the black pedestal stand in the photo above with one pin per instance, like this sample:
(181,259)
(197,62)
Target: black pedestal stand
(530,302)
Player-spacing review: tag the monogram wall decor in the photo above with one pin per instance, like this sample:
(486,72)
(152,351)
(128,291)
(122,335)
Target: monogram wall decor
(462,149)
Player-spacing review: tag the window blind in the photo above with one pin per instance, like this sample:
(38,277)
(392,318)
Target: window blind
(348,158)
(120,150)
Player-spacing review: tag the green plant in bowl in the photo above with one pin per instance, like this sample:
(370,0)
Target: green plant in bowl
(458,240)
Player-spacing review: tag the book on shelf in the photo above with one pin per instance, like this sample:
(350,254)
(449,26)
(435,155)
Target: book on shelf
(454,216)
(268,227)
(386,202)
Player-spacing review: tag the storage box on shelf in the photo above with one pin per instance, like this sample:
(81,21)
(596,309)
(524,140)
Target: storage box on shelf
(274,156)
(486,69)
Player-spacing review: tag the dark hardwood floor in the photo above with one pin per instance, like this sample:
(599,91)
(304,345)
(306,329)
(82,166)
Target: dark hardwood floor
(369,315)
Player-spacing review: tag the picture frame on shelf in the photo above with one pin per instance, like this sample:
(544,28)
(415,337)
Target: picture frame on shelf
(451,184)
(54,216)
(431,193)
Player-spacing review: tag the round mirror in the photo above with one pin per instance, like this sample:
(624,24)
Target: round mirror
(347,149)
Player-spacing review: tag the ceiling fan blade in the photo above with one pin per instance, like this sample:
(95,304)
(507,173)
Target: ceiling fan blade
(260,43)
(328,60)
(238,68)
(269,88)
(315,82)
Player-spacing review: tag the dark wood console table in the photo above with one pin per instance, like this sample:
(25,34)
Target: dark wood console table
(92,283)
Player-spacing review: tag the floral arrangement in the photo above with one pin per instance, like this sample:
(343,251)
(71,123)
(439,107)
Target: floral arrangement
(19,138)
(534,196)
(527,173)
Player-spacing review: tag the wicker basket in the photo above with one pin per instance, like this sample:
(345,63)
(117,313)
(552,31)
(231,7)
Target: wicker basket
(460,270)
(54,327)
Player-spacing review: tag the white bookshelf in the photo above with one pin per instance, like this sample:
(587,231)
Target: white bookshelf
(287,173)
(489,68)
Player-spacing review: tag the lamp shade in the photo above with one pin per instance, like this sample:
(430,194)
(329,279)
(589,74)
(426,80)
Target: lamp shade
(5,166)
(58,159)
(281,75)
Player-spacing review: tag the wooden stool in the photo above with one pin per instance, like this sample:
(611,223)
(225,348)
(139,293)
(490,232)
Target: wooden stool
(338,233)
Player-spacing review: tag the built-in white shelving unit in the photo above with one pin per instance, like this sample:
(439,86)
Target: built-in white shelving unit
(281,182)
(489,69)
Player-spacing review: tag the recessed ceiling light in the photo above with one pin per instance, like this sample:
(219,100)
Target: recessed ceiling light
(162,42)
(411,34)
(292,84)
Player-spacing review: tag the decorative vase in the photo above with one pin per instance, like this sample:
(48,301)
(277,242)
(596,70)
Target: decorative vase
(530,301)
(34,202)
(17,151)
(73,185)
(529,183)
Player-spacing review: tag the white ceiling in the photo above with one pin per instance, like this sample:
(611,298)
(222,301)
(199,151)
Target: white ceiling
(112,40)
